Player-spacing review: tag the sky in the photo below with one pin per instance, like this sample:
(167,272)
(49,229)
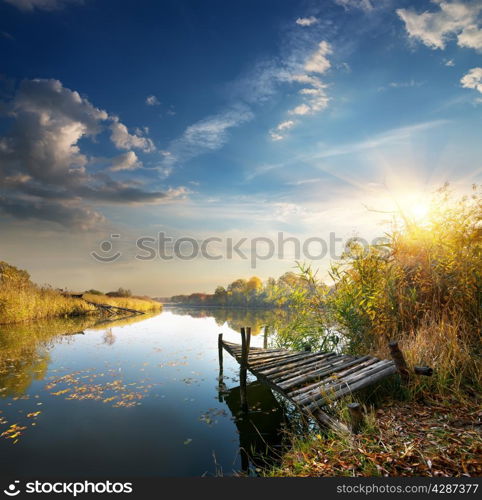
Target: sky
(221,123)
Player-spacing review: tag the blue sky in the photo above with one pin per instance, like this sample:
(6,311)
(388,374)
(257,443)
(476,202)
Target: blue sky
(224,119)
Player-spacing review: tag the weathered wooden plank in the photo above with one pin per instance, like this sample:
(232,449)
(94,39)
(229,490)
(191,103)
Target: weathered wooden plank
(279,363)
(305,368)
(333,378)
(316,374)
(332,384)
(314,360)
(364,382)
(272,359)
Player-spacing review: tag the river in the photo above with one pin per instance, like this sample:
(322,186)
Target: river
(136,397)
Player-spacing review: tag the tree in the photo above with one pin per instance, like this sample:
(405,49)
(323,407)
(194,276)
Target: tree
(254,284)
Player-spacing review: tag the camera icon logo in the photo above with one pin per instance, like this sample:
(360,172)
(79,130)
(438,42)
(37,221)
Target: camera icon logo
(106,247)
(12,490)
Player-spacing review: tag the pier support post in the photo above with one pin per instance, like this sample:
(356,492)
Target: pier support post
(243,371)
(221,385)
(220,353)
(356,416)
(400,362)
(265,338)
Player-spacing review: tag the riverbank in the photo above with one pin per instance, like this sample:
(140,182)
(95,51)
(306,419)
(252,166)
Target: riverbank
(22,300)
(440,437)
(421,288)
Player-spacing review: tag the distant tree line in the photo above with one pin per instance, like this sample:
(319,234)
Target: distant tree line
(247,293)
(120,292)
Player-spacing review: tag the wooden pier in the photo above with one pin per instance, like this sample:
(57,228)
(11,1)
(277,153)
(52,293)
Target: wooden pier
(310,380)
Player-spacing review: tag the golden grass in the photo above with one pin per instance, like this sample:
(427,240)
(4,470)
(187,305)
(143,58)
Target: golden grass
(451,353)
(22,300)
(29,302)
(142,304)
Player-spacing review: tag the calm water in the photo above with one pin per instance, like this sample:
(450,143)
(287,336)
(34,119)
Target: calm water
(131,398)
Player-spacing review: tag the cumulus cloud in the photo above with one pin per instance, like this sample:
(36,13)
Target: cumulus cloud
(29,5)
(42,165)
(473,79)
(152,100)
(124,140)
(70,214)
(126,161)
(306,21)
(452,19)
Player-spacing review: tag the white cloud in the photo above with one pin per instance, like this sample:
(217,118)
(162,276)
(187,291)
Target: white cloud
(152,100)
(301,109)
(285,125)
(356,4)
(276,133)
(400,85)
(126,161)
(318,62)
(450,62)
(121,137)
(206,135)
(306,21)
(473,79)
(314,96)
(456,18)
(30,5)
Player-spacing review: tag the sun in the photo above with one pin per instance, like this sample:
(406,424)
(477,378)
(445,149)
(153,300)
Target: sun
(419,211)
(414,207)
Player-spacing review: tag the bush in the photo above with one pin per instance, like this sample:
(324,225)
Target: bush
(423,287)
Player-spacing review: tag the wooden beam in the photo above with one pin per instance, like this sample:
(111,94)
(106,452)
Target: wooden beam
(356,416)
(400,362)
(423,370)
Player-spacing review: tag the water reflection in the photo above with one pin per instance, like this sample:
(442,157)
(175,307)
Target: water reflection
(259,428)
(24,347)
(257,319)
(145,392)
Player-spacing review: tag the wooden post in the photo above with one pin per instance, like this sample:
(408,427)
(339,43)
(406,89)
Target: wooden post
(248,341)
(423,370)
(243,343)
(243,372)
(356,416)
(221,386)
(400,362)
(265,339)
(220,353)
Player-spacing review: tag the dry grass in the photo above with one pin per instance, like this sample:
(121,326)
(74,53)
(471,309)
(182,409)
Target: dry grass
(143,304)
(22,300)
(439,438)
(452,355)
(29,302)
